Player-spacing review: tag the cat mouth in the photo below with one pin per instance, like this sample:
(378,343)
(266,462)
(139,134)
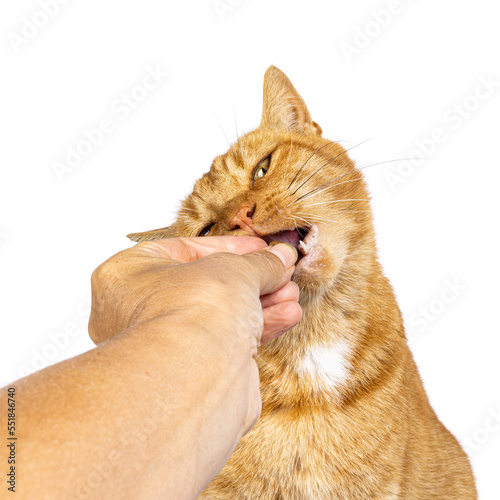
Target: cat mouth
(295,237)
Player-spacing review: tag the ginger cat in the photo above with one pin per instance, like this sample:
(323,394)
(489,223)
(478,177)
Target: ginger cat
(344,415)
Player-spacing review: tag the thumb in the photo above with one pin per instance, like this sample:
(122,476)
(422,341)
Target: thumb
(272,266)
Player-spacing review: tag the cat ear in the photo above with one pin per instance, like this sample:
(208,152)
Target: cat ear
(155,234)
(283,107)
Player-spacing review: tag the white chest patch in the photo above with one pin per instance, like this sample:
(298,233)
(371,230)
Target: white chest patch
(328,364)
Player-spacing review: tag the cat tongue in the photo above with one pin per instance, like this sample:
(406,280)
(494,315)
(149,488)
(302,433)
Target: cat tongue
(291,237)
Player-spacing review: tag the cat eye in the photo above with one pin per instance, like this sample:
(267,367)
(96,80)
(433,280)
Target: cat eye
(261,169)
(206,230)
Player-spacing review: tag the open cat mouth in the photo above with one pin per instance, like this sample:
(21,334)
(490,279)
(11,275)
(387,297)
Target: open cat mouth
(295,237)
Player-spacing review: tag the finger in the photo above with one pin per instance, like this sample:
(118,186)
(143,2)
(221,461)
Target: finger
(272,267)
(189,249)
(290,292)
(280,318)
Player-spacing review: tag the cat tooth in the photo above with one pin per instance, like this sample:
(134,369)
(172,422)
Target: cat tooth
(303,247)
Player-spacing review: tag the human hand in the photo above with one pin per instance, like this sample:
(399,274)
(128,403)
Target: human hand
(220,296)
(176,386)
(216,277)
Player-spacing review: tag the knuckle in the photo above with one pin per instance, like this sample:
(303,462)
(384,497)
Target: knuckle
(105,275)
(102,273)
(97,276)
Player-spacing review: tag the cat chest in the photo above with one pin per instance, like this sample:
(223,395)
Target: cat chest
(293,454)
(326,367)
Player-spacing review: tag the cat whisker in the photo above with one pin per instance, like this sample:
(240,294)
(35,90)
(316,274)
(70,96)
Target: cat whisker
(357,211)
(289,155)
(330,187)
(305,163)
(328,184)
(294,221)
(334,185)
(323,220)
(330,161)
(224,86)
(310,218)
(317,218)
(218,122)
(234,115)
(242,148)
(334,201)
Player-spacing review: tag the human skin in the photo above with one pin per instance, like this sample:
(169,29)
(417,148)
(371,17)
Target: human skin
(156,409)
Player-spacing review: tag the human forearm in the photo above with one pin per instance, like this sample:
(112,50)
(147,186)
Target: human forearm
(157,410)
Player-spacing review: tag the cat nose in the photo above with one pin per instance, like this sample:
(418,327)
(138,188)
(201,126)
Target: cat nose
(242,219)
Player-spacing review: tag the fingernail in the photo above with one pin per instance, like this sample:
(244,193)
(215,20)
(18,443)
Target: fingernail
(287,253)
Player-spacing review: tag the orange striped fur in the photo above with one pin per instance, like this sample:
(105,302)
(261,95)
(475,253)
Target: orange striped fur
(345,415)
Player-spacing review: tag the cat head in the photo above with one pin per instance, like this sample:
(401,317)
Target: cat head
(283,182)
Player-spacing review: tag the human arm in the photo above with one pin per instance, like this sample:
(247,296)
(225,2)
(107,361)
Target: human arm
(158,407)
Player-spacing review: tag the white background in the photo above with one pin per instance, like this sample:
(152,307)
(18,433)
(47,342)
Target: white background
(419,65)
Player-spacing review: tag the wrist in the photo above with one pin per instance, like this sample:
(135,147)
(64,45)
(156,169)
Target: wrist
(208,377)
(206,340)
(207,323)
